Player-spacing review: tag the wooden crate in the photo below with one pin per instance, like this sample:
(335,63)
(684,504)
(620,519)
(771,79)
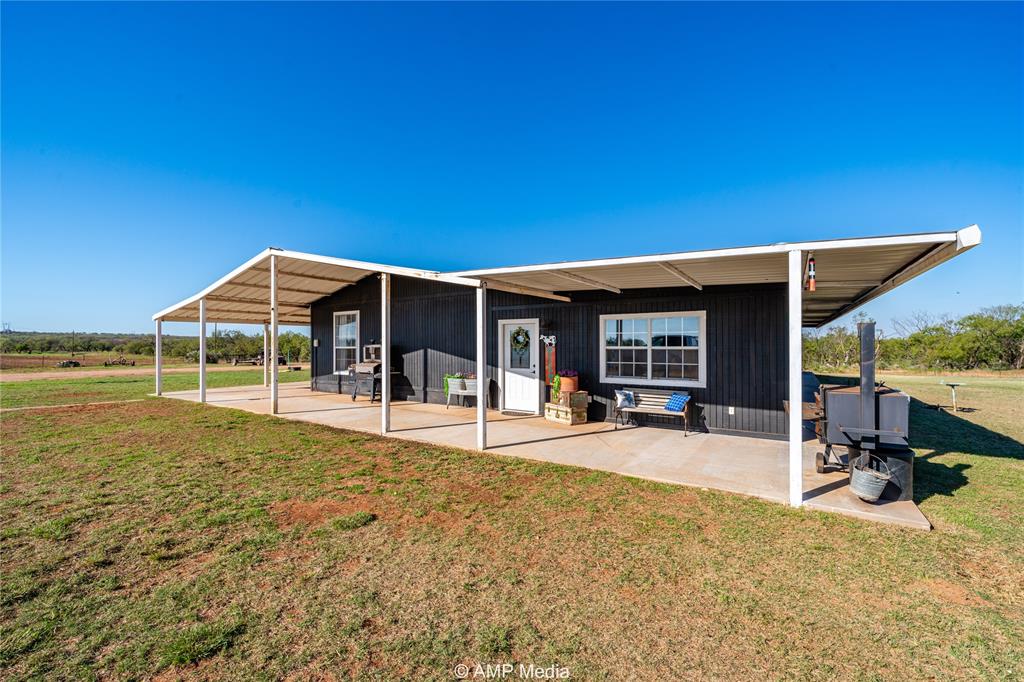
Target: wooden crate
(564,415)
(576,400)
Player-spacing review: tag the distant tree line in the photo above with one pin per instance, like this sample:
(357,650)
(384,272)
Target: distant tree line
(992,338)
(220,346)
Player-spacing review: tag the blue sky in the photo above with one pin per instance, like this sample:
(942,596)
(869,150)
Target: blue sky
(147,149)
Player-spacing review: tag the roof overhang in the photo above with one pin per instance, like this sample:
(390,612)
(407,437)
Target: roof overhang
(243,295)
(850,272)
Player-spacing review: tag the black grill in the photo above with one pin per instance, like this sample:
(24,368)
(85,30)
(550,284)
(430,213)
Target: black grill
(366,379)
(867,420)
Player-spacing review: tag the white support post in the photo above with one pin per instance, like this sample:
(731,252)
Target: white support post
(202,350)
(385,353)
(481,367)
(273,334)
(266,355)
(796,484)
(158,346)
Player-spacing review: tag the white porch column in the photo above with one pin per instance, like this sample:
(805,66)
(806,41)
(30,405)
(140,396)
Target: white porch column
(481,367)
(796,489)
(158,344)
(202,350)
(266,354)
(385,352)
(273,334)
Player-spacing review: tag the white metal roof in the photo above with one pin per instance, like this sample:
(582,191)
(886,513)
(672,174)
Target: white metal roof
(850,272)
(243,295)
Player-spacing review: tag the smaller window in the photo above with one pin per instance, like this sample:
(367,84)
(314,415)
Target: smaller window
(346,340)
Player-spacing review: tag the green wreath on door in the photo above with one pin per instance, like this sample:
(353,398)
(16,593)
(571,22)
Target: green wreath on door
(520,340)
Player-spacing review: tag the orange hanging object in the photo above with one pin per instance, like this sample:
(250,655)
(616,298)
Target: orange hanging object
(810,275)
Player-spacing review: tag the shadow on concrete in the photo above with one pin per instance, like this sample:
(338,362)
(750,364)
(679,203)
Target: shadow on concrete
(547,440)
(827,488)
(467,423)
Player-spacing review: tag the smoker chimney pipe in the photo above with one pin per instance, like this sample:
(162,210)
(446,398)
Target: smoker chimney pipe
(866,331)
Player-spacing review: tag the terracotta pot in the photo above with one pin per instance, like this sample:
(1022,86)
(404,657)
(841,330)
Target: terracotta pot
(569,384)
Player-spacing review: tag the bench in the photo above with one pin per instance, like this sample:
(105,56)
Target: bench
(652,401)
(466,387)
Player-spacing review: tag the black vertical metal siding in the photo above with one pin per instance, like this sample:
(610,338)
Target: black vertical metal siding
(434,334)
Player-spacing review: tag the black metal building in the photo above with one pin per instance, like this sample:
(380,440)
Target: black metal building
(433,334)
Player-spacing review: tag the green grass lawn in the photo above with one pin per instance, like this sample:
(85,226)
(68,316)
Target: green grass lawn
(70,390)
(166,537)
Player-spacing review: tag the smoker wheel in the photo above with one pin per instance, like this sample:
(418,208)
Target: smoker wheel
(819,462)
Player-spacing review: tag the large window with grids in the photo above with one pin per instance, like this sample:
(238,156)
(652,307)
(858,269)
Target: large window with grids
(346,340)
(658,349)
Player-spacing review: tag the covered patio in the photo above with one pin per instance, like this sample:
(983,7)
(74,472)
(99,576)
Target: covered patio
(823,280)
(756,467)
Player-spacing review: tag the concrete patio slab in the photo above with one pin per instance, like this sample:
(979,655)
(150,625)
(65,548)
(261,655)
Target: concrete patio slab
(748,466)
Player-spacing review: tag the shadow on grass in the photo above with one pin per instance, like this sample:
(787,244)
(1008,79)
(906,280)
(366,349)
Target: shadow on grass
(934,433)
(939,433)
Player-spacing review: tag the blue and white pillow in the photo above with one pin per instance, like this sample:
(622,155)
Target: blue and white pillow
(677,402)
(624,399)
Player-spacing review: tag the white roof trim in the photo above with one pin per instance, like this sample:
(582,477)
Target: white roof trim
(967,234)
(966,239)
(255,260)
(946,245)
(315,258)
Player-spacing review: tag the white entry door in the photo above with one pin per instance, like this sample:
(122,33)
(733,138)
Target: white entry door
(520,365)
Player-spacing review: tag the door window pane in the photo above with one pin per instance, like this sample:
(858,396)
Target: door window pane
(519,343)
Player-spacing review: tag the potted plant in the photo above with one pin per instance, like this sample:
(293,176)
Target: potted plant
(568,380)
(454,381)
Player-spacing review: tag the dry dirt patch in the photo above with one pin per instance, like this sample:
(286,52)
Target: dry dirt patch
(951,593)
(289,513)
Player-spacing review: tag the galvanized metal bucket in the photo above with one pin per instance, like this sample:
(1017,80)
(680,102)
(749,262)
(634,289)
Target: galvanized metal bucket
(867,483)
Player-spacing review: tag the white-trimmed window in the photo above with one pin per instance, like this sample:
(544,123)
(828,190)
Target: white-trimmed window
(656,349)
(346,340)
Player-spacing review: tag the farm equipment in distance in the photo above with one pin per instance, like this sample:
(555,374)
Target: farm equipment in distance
(255,360)
(120,360)
(64,364)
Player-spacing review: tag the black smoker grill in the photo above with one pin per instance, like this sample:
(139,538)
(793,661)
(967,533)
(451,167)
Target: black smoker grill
(869,422)
(366,374)
(366,379)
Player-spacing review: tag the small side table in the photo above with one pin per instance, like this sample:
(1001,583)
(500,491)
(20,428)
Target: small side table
(952,387)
